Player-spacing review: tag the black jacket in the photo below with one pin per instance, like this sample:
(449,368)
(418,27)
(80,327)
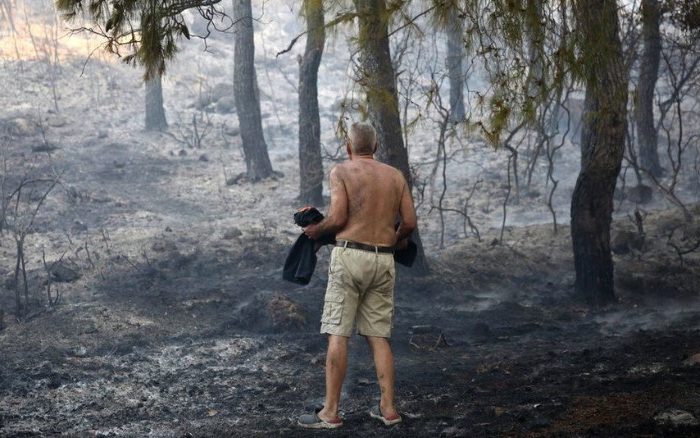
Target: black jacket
(301,260)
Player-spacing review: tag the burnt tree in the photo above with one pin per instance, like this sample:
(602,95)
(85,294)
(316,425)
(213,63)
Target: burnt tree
(455,73)
(602,146)
(257,160)
(155,113)
(310,163)
(647,139)
(378,81)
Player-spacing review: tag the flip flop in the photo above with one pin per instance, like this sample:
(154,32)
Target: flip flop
(376,412)
(313,421)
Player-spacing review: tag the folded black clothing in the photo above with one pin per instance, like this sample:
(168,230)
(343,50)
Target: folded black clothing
(307,216)
(301,260)
(406,256)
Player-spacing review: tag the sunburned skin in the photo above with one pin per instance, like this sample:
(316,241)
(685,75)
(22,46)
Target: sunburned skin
(367,198)
(373,190)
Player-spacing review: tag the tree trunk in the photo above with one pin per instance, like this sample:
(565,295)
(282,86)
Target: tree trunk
(648,74)
(155,113)
(536,81)
(602,146)
(378,81)
(310,164)
(257,161)
(455,73)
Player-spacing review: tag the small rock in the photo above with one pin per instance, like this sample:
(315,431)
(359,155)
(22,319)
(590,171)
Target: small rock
(226,105)
(65,272)
(204,157)
(182,153)
(168,230)
(80,351)
(102,133)
(56,121)
(44,147)
(232,131)
(625,241)
(232,233)
(676,417)
(22,127)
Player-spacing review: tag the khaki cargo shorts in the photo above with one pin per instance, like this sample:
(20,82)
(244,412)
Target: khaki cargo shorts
(360,288)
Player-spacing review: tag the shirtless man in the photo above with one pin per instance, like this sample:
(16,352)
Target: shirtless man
(367,197)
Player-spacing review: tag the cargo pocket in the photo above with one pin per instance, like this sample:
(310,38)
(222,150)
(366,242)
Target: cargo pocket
(333,308)
(386,286)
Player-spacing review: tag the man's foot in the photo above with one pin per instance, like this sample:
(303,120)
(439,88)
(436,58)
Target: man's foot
(376,412)
(313,421)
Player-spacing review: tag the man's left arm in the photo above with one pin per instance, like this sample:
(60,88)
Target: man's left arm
(337,213)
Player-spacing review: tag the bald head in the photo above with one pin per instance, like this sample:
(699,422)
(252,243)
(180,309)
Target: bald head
(363,138)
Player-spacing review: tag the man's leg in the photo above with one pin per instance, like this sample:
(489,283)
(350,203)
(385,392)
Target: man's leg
(384,363)
(336,366)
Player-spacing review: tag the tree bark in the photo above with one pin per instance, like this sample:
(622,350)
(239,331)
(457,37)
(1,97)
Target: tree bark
(155,113)
(602,146)
(310,163)
(455,72)
(379,82)
(647,139)
(257,160)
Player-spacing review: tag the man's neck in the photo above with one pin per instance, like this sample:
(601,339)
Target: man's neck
(362,157)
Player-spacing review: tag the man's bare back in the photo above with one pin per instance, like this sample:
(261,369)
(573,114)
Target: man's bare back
(367,198)
(374,194)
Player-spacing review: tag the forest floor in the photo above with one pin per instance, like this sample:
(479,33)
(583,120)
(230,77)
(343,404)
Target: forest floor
(174,321)
(201,337)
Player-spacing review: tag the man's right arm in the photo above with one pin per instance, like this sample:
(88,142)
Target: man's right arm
(408,214)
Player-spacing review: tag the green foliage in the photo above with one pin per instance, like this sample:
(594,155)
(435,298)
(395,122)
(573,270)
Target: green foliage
(142,32)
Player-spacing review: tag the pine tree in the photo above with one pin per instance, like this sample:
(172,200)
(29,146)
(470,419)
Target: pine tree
(310,162)
(155,113)
(257,161)
(378,81)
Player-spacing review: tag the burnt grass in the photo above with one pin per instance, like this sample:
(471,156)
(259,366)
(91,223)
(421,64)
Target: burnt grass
(203,340)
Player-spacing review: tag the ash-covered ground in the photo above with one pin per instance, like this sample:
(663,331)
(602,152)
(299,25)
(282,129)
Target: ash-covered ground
(200,337)
(173,318)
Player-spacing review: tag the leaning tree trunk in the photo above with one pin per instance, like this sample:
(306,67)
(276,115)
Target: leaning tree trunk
(455,53)
(310,164)
(648,74)
(257,161)
(155,113)
(377,78)
(602,146)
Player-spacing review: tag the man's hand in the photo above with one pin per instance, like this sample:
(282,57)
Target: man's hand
(313,231)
